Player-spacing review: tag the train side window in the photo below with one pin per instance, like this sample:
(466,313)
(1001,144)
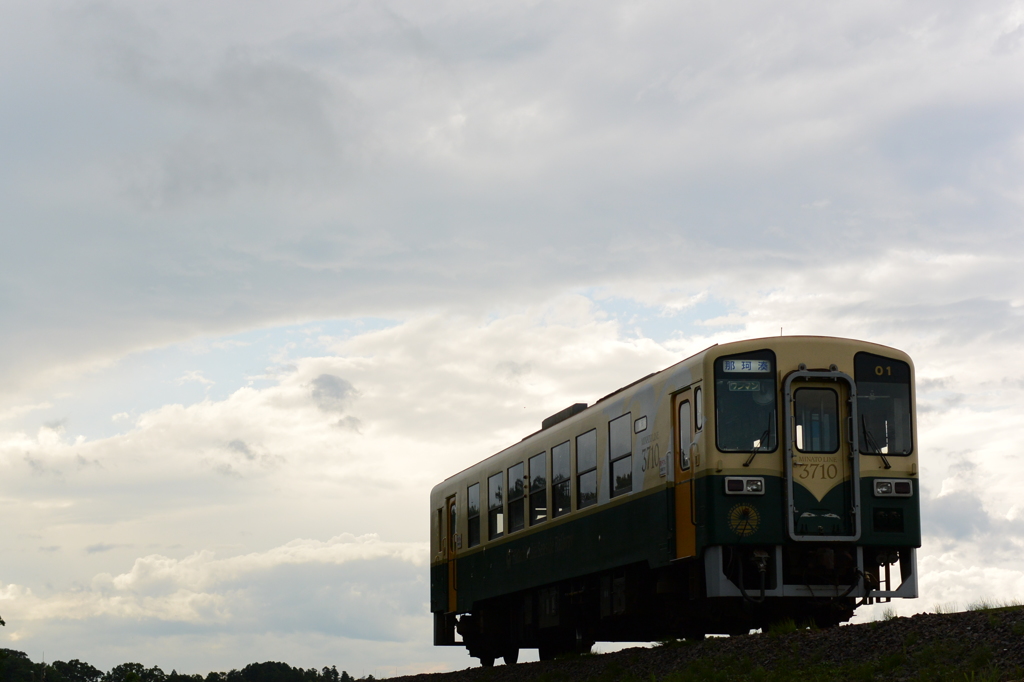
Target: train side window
(516,498)
(539,488)
(495,506)
(620,453)
(561,480)
(684,435)
(440,530)
(473,514)
(452,521)
(698,406)
(586,469)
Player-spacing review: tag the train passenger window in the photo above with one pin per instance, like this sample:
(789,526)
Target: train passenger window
(440,530)
(883,405)
(745,402)
(620,453)
(817,420)
(561,480)
(684,435)
(495,506)
(539,488)
(698,405)
(586,469)
(516,498)
(473,514)
(452,521)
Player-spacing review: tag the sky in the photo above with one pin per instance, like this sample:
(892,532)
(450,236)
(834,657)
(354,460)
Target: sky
(271,271)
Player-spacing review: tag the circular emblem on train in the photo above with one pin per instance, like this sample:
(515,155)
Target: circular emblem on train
(744,520)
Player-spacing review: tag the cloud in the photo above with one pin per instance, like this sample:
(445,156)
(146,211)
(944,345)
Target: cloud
(356,587)
(333,161)
(193,376)
(241,448)
(19,410)
(332,393)
(202,571)
(99,547)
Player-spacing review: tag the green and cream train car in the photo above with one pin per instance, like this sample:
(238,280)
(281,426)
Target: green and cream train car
(755,481)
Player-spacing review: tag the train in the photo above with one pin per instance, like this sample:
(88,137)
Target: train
(755,482)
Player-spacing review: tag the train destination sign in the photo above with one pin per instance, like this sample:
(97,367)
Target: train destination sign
(741,365)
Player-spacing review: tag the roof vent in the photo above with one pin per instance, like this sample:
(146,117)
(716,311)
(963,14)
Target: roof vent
(563,415)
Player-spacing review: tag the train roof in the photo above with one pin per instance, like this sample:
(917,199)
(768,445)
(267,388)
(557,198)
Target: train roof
(724,346)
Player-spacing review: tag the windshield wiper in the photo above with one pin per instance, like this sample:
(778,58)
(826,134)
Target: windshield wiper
(762,442)
(869,440)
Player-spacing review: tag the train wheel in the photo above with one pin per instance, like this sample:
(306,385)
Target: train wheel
(583,644)
(487,661)
(547,653)
(511,655)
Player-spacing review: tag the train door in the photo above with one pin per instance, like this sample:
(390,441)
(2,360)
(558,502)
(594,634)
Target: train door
(686,531)
(823,485)
(451,538)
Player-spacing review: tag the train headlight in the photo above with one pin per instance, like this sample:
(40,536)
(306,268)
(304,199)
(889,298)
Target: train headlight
(744,485)
(888,487)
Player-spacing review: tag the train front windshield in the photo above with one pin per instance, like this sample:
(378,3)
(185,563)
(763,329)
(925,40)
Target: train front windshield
(745,402)
(883,405)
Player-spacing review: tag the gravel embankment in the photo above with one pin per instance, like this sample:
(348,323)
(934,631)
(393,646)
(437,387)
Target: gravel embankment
(997,636)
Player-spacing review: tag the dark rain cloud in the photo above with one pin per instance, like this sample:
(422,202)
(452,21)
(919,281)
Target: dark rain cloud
(332,393)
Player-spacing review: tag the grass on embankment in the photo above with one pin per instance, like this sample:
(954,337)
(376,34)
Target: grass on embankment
(979,645)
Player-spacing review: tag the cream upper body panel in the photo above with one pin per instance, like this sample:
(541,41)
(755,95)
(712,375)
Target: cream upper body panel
(814,352)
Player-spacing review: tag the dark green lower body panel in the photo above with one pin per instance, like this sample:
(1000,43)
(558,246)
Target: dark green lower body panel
(439,588)
(634,531)
(739,519)
(761,519)
(641,530)
(890,521)
(609,575)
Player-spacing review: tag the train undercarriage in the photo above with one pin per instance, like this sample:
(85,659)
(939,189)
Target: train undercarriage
(730,591)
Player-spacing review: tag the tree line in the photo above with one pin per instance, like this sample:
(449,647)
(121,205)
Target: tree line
(15,666)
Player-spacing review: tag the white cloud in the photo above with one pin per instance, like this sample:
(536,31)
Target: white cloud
(200,588)
(20,410)
(193,376)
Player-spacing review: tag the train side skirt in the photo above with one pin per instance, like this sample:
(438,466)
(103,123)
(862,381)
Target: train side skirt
(718,584)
